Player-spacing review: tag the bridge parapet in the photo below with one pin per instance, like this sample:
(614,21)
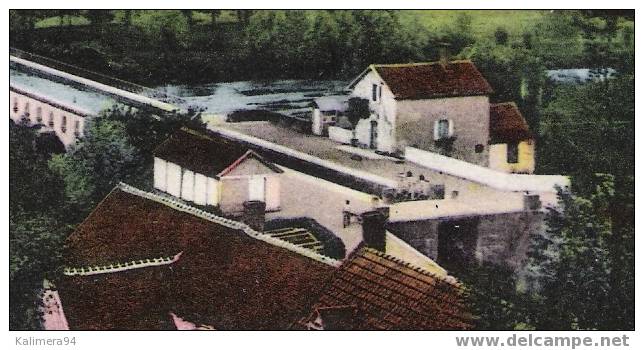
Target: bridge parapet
(98,77)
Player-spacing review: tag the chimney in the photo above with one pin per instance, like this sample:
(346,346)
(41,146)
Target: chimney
(254,215)
(443,52)
(373,228)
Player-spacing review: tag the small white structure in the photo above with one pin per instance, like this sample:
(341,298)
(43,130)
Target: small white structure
(66,121)
(207,171)
(326,111)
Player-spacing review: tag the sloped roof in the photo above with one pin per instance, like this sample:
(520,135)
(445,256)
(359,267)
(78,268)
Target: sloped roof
(416,81)
(507,124)
(224,278)
(389,294)
(203,154)
(337,103)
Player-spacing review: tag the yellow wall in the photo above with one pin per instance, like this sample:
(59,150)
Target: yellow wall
(498,158)
(401,250)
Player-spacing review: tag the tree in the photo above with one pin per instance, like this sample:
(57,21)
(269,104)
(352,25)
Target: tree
(460,35)
(189,18)
(243,16)
(36,226)
(99,16)
(105,150)
(33,187)
(117,147)
(589,126)
(322,45)
(501,36)
(36,243)
(580,273)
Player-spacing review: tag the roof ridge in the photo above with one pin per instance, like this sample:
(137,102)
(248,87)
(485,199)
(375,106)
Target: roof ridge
(236,225)
(118,267)
(412,266)
(197,133)
(413,64)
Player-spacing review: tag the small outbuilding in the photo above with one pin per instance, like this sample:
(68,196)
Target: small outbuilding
(326,111)
(213,172)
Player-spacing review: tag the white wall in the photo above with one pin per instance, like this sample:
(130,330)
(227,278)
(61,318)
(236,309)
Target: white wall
(201,189)
(160,166)
(363,132)
(486,176)
(316,122)
(173,184)
(273,188)
(384,109)
(214,193)
(188,185)
(185,184)
(338,134)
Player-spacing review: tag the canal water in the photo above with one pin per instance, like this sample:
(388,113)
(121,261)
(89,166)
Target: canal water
(288,97)
(90,101)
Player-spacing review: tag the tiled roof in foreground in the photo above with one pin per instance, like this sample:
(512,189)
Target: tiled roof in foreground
(224,277)
(385,293)
(229,277)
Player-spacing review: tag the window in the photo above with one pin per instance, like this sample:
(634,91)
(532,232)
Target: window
(15,105)
(442,129)
(374,92)
(27,112)
(39,115)
(513,153)
(77,128)
(479,148)
(63,126)
(454,194)
(50,121)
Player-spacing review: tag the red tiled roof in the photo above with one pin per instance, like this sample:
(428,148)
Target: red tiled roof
(129,300)
(390,295)
(224,277)
(433,80)
(203,154)
(507,124)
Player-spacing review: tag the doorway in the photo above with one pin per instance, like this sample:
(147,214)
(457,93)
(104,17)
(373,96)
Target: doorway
(257,188)
(457,243)
(373,137)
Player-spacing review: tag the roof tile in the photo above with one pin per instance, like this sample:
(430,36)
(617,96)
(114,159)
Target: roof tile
(507,124)
(433,80)
(224,277)
(390,294)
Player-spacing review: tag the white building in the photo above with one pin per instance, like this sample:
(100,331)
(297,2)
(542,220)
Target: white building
(208,171)
(440,107)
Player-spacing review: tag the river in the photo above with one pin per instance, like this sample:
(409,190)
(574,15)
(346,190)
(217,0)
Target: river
(289,97)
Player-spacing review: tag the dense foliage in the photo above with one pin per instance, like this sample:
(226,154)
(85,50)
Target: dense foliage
(37,226)
(580,273)
(52,193)
(157,47)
